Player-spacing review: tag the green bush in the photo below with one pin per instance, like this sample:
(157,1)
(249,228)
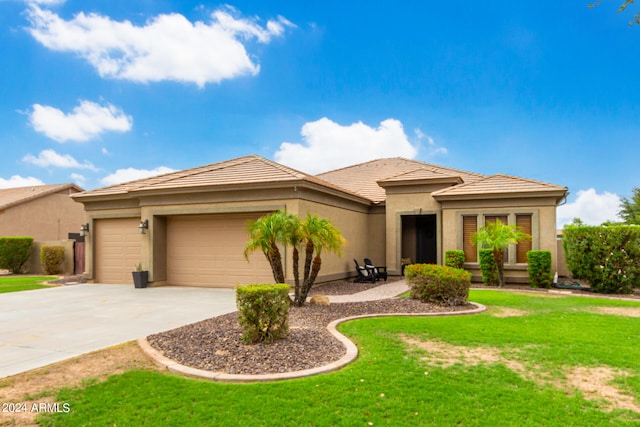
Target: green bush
(438,284)
(15,253)
(454,258)
(51,258)
(606,257)
(488,268)
(539,269)
(264,311)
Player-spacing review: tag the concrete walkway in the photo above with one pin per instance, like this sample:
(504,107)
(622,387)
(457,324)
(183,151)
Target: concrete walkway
(45,326)
(387,290)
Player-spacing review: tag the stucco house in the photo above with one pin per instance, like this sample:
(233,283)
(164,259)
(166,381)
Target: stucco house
(45,212)
(194,221)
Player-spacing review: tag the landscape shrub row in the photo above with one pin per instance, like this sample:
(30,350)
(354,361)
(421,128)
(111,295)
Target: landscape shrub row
(438,284)
(14,253)
(263,311)
(608,257)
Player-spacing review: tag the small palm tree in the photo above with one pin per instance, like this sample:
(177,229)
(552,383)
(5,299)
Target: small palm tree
(265,234)
(317,235)
(497,236)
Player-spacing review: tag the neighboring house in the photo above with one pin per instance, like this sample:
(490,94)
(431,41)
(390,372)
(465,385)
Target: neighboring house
(387,209)
(44,212)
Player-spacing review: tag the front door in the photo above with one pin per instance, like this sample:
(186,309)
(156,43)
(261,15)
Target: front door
(419,238)
(426,244)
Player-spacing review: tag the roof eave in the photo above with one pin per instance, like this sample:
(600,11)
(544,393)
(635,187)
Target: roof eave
(425,181)
(557,194)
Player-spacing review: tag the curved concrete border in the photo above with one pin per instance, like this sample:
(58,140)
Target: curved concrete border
(350,355)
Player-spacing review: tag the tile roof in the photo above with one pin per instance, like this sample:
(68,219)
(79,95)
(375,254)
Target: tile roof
(10,197)
(363,178)
(496,185)
(251,169)
(364,181)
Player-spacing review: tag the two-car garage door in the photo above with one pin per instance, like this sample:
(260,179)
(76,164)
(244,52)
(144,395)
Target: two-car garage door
(201,250)
(207,250)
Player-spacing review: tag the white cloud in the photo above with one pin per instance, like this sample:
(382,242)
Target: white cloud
(45,2)
(87,121)
(328,145)
(18,181)
(167,47)
(131,174)
(78,179)
(592,208)
(433,149)
(48,158)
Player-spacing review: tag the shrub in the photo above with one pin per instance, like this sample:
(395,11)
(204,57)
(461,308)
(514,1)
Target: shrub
(51,258)
(264,311)
(488,268)
(454,258)
(606,257)
(539,269)
(15,253)
(438,284)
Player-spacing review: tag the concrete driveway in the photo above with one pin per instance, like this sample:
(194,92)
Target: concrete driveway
(41,327)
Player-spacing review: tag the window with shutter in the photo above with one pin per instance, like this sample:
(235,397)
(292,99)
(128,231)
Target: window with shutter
(490,219)
(469,227)
(524,222)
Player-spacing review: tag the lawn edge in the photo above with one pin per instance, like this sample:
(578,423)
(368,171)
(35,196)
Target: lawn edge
(350,355)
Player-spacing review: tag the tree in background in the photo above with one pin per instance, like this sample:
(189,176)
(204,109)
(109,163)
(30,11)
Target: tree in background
(630,208)
(497,237)
(624,6)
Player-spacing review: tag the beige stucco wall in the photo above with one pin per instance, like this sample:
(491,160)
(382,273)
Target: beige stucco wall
(543,211)
(350,217)
(354,227)
(50,217)
(35,267)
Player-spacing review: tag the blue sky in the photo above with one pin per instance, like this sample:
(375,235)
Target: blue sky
(100,92)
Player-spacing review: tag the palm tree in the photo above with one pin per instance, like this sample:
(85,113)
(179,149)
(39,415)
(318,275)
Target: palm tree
(497,237)
(265,234)
(318,235)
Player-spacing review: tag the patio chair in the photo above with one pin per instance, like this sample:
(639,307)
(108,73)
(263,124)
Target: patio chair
(380,272)
(365,274)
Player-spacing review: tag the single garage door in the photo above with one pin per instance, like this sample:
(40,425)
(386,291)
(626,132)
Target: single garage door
(117,249)
(208,250)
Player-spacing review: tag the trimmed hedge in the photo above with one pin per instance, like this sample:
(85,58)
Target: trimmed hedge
(15,253)
(438,284)
(489,268)
(51,258)
(606,257)
(539,269)
(454,258)
(264,311)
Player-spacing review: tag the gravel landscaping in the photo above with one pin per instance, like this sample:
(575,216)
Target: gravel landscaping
(215,344)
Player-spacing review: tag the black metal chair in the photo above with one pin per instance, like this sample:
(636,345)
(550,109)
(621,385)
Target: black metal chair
(380,272)
(365,274)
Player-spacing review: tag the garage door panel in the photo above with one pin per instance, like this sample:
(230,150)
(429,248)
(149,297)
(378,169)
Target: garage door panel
(117,249)
(209,251)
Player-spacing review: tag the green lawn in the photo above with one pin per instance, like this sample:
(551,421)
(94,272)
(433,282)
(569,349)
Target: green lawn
(23,283)
(521,358)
